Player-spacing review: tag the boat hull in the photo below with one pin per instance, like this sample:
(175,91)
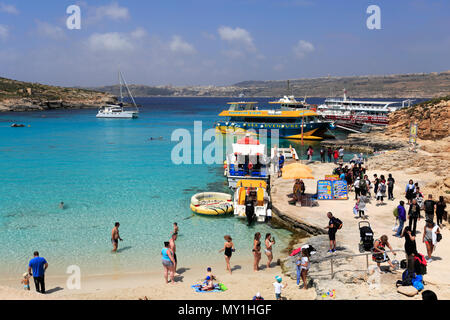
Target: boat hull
(311,131)
(121,115)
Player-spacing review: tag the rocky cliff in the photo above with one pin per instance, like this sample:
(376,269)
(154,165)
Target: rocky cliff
(25,96)
(432,117)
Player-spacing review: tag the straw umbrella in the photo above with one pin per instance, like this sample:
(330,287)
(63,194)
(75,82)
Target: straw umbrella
(297,171)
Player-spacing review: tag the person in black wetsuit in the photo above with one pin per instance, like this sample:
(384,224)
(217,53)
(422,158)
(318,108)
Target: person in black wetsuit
(249,209)
(228,249)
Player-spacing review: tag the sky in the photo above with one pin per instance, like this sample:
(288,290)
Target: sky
(218,42)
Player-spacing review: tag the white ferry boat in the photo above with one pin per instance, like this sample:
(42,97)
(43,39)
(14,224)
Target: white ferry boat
(359,111)
(117,111)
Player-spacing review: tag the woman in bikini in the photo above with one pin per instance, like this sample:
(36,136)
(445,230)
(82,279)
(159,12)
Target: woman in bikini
(228,249)
(427,238)
(268,251)
(256,251)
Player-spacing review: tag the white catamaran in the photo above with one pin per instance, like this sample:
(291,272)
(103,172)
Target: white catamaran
(117,110)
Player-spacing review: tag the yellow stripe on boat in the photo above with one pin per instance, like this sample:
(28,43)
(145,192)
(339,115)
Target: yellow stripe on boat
(266,113)
(211,203)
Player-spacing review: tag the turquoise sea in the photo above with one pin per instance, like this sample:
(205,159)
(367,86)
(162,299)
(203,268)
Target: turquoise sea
(107,171)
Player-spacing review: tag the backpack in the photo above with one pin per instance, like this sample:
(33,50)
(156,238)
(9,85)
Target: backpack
(429,207)
(407,278)
(420,264)
(337,223)
(362,184)
(396,212)
(382,188)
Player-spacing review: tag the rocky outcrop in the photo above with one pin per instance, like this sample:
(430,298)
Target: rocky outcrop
(433,119)
(364,142)
(23,96)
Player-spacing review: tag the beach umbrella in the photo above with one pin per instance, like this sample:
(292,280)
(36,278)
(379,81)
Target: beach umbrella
(297,171)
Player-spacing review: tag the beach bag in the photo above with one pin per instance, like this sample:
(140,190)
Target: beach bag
(403,264)
(396,212)
(417,283)
(438,237)
(420,264)
(355,210)
(407,278)
(337,223)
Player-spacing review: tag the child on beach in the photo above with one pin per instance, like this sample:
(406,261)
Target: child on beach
(26,281)
(303,267)
(278,287)
(210,274)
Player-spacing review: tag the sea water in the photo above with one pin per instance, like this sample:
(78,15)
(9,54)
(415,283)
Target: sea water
(107,171)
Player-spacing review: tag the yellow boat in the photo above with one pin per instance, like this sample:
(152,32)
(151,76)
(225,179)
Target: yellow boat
(212,203)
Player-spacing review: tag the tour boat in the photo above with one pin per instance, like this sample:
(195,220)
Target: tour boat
(243,117)
(359,111)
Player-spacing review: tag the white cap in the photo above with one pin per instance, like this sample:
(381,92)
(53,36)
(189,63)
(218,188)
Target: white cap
(258,294)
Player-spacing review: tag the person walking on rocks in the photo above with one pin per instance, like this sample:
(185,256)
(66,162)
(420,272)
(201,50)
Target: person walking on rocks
(330,154)
(322,155)
(390,185)
(440,210)
(410,191)
(413,215)
(333,225)
(401,218)
(429,206)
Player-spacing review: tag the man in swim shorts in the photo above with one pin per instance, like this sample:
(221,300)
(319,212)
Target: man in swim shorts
(115,237)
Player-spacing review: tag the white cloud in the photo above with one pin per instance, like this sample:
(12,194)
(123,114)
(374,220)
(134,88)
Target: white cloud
(237,36)
(302,48)
(111,11)
(4,32)
(113,41)
(8,8)
(178,45)
(139,33)
(47,30)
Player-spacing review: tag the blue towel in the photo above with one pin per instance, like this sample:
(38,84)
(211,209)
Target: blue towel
(197,287)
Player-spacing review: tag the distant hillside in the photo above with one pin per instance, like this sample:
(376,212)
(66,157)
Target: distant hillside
(428,85)
(26,96)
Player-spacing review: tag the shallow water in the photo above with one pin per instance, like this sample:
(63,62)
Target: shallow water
(107,171)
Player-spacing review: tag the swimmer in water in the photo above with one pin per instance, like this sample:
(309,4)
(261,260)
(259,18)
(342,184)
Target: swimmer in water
(61,205)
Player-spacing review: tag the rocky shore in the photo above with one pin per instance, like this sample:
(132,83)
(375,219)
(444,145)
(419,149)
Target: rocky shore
(18,96)
(365,143)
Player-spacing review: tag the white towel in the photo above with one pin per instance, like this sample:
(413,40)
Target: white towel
(434,235)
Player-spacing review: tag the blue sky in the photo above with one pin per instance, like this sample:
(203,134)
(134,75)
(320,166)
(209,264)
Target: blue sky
(219,42)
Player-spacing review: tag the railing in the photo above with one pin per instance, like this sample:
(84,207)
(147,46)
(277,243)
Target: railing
(367,254)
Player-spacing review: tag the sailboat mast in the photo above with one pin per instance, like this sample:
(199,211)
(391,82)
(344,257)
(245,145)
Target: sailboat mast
(128,90)
(120,86)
